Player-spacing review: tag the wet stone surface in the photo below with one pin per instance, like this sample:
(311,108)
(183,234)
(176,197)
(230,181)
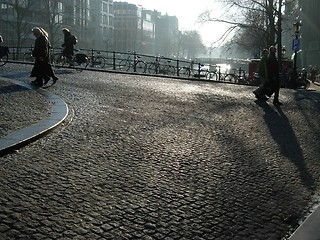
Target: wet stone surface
(154,158)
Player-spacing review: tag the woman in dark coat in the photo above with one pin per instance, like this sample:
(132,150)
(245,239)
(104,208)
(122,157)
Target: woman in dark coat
(42,69)
(41,54)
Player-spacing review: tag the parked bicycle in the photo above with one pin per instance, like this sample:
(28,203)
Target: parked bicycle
(79,60)
(111,60)
(195,70)
(4,55)
(161,68)
(133,64)
(237,76)
(96,60)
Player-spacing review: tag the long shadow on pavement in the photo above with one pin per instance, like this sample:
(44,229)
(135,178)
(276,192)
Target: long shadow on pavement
(283,134)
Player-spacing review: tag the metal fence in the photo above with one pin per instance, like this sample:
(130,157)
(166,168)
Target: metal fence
(136,63)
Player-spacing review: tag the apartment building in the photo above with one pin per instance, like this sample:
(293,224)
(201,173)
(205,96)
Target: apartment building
(77,16)
(91,21)
(102,24)
(167,35)
(310,32)
(134,28)
(144,31)
(307,13)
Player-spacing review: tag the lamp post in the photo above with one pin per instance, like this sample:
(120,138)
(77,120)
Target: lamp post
(283,52)
(296,47)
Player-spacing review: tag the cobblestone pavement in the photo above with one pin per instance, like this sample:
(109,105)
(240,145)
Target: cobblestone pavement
(153,158)
(12,98)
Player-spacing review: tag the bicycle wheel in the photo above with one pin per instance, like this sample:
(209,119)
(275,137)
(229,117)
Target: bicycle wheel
(171,70)
(141,67)
(3,60)
(98,62)
(109,63)
(124,65)
(152,68)
(231,78)
(27,57)
(184,72)
(213,76)
(58,60)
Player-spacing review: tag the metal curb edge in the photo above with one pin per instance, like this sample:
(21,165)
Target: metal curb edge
(23,137)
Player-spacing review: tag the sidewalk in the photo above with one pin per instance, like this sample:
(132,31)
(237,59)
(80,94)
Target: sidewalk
(27,114)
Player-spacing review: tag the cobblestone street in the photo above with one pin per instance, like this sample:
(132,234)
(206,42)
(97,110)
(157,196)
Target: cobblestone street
(152,158)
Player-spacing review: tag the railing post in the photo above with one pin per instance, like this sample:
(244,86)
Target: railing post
(114,60)
(14,53)
(92,60)
(178,68)
(134,62)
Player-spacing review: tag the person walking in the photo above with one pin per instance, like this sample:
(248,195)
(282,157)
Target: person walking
(41,54)
(49,70)
(261,90)
(42,69)
(273,74)
(68,44)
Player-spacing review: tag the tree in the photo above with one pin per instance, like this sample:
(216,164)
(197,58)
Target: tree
(190,44)
(254,24)
(19,9)
(51,14)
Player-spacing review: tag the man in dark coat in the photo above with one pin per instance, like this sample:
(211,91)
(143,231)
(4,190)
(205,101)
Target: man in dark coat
(41,54)
(263,75)
(273,74)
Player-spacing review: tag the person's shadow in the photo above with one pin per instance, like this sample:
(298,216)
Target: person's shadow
(283,134)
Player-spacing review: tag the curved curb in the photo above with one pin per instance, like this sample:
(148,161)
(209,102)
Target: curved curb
(309,229)
(22,137)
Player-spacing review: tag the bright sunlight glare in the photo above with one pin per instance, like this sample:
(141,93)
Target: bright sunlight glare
(187,13)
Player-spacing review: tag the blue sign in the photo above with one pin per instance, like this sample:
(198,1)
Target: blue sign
(296,44)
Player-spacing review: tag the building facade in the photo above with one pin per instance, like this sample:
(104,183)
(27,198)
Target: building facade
(76,15)
(310,32)
(98,24)
(309,37)
(102,24)
(167,35)
(134,28)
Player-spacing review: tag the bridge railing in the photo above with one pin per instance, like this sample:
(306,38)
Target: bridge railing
(136,63)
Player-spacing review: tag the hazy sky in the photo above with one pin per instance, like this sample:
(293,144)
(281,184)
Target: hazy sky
(187,13)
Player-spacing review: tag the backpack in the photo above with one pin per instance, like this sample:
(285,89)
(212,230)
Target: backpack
(74,40)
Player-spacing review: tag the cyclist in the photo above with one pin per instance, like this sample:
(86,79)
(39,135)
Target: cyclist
(68,44)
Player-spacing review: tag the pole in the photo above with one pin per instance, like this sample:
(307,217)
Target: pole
(295,72)
(279,36)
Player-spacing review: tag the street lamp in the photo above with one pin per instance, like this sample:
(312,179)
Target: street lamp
(283,51)
(297,27)
(296,47)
